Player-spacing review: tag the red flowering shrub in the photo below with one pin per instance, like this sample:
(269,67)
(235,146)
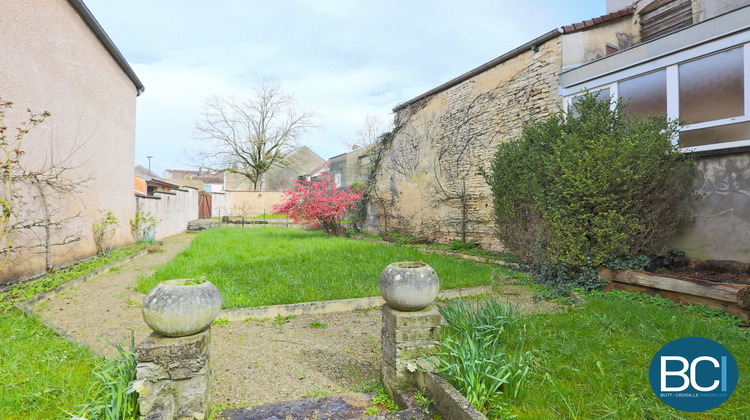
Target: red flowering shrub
(318,203)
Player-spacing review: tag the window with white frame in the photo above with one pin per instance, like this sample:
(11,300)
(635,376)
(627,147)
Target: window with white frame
(708,91)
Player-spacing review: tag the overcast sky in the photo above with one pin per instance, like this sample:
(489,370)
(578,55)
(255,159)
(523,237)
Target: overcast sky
(342,59)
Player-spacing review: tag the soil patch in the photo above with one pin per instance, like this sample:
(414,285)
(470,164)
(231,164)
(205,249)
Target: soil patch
(709,270)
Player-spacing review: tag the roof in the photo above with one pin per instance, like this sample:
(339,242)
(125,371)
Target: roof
(587,24)
(93,24)
(534,43)
(209,179)
(319,169)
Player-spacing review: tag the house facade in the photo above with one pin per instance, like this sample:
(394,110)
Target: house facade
(280,178)
(351,167)
(698,72)
(427,174)
(57,58)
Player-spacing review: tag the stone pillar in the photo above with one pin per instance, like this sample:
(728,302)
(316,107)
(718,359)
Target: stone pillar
(174,376)
(406,338)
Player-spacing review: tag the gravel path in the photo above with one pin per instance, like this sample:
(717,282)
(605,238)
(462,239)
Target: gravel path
(254,362)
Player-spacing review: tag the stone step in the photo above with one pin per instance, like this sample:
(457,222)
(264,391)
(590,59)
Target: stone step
(336,407)
(401,415)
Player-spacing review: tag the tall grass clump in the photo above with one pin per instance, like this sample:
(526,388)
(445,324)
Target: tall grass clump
(474,357)
(112,397)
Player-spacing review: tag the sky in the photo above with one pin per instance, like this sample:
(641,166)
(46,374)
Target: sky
(341,59)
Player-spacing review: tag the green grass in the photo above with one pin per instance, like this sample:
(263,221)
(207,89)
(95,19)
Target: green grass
(255,267)
(592,362)
(42,375)
(49,281)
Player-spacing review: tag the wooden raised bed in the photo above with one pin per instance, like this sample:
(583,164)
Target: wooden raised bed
(733,298)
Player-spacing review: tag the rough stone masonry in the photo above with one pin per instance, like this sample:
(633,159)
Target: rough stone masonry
(407,337)
(173,376)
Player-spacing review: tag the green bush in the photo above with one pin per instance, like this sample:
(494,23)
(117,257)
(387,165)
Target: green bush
(578,190)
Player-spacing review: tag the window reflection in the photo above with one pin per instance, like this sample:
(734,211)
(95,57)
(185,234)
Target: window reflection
(718,134)
(601,95)
(711,88)
(647,94)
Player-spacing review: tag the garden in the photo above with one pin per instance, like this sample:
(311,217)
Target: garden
(573,212)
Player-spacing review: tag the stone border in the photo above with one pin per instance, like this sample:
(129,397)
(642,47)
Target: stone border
(28,305)
(447,400)
(487,260)
(330,306)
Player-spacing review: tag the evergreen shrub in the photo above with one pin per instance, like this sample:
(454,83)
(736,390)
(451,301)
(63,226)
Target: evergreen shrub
(588,187)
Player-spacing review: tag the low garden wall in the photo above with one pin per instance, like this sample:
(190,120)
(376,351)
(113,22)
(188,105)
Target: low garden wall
(172,210)
(243,203)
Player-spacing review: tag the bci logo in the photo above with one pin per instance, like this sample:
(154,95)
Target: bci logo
(690,379)
(693,374)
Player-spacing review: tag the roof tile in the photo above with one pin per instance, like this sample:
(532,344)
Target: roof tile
(597,20)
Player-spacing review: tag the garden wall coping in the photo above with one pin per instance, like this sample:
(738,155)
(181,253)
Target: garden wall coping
(341,305)
(448,401)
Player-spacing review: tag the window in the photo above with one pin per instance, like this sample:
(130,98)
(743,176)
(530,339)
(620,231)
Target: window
(337,179)
(705,89)
(647,94)
(711,88)
(601,95)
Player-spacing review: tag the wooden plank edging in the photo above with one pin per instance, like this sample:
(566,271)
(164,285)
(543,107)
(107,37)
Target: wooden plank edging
(725,292)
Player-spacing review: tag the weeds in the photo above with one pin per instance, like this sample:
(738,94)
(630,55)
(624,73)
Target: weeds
(316,324)
(220,321)
(381,398)
(279,320)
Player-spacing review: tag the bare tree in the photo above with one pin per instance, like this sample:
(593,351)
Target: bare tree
(47,185)
(369,132)
(46,216)
(11,198)
(250,137)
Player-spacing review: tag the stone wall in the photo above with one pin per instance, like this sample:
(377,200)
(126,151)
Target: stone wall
(427,180)
(173,210)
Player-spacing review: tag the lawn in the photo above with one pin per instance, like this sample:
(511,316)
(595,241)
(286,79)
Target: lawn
(592,362)
(269,266)
(42,375)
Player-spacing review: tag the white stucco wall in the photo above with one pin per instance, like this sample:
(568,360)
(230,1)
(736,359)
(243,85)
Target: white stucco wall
(172,210)
(51,60)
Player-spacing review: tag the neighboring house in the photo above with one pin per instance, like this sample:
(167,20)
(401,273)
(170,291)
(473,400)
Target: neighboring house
(153,182)
(639,50)
(351,167)
(279,178)
(204,181)
(57,58)
(315,173)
